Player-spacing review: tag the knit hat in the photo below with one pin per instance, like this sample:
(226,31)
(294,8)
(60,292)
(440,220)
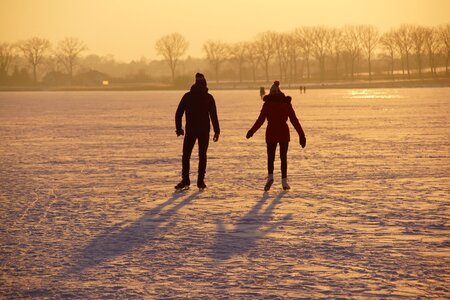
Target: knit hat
(199,77)
(275,88)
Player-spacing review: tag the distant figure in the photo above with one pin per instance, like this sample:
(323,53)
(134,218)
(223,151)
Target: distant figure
(200,108)
(301,89)
(277,108)
(262,92)
(304,90)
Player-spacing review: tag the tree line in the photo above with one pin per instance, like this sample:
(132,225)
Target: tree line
(36,50)
(309,53)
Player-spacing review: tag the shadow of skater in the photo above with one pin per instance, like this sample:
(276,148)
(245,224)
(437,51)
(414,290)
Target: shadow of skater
(253,226)
(118,240)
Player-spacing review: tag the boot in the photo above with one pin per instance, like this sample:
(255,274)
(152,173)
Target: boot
(285,184)
(269,182)
(201,184)
(183,185)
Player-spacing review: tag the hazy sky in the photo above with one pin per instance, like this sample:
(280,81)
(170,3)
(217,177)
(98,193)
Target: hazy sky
(128,29)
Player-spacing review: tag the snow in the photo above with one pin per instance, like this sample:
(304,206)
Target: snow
(87,208)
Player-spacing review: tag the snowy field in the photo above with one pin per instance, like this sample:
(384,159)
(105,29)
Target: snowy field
(87,208)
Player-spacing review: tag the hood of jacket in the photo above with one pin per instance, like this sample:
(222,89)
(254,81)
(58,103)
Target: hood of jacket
(199,88)
(277,97)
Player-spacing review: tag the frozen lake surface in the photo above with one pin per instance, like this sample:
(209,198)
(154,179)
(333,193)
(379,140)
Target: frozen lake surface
(87,208)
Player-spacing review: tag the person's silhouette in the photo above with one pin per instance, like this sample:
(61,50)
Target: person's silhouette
(200,109)
(277,109)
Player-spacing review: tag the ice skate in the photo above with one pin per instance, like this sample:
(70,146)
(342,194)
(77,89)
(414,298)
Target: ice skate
(285,184)
(201,185)
(182,186)
(269,182)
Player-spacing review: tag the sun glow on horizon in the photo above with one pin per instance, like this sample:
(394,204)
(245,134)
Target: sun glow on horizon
(128,30)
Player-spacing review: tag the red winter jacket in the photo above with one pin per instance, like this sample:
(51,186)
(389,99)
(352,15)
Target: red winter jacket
(277,109)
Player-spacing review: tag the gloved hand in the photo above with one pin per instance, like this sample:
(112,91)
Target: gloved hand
(216,137)
(303,140)
(179,132)
(249,134)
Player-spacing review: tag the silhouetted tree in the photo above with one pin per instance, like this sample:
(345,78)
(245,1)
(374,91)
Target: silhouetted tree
(404,35)
(444,37)
(369,37)
(265,46)
(418,36)
(431,45)
(238,54)
(352,44)
(399,48)
(321,43)
(253,58)
(68,52)
(387,40)
(172,47)
(293,50)
(304,37)
(337,46)
(216,54)
(6,57)
(34,50)
(337,49)
(281,49)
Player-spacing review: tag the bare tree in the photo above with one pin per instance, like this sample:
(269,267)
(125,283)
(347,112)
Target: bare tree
(238,53)
(172,47)
(281,49)
(68,52)
(292,52)
(388,42)
(265,46)
(6,57)
(404,37)
(321,47)
(444,38)
(34,50)
(304,38)
(399,48)
(431,45)
(216,53)
(370,37)
(253,58)
(418,36)
(337,46)
(352,44)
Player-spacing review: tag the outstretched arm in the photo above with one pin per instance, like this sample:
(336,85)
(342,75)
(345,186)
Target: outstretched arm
(259,121)
(179,115)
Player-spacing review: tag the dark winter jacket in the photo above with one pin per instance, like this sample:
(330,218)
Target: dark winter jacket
(277,109)
(200,108)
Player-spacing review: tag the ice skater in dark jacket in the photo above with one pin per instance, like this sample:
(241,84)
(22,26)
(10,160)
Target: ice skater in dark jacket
(200,108)
(277,108)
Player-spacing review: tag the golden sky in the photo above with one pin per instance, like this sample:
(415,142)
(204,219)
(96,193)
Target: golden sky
(128,29)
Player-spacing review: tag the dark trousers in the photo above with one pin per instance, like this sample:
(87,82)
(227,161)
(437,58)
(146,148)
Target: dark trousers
(271,149)
(188,145)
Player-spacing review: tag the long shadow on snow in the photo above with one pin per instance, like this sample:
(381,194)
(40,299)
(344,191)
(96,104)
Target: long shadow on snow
(117,241)
(248,229)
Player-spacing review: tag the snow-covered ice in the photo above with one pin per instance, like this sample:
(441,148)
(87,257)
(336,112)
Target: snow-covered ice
(88,209)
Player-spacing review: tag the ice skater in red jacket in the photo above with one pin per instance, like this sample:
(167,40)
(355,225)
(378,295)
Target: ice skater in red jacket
(277,108)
